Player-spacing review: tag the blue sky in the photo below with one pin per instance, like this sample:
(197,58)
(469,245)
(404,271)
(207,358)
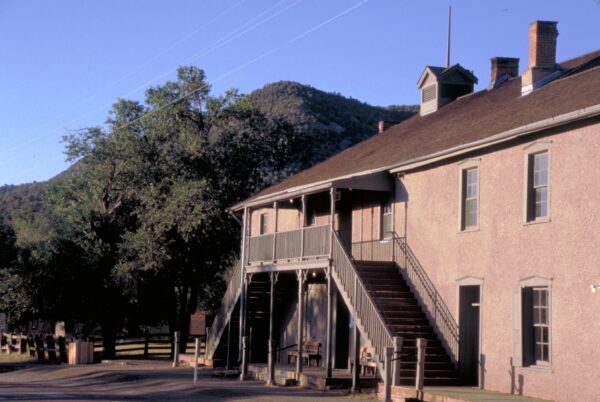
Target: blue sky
(62,63)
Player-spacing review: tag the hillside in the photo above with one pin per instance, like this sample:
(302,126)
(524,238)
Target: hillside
(332,121)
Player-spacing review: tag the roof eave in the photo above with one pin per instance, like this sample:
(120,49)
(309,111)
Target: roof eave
(580,114)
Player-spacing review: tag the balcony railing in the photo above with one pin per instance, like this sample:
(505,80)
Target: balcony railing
(374,250)
(312,241)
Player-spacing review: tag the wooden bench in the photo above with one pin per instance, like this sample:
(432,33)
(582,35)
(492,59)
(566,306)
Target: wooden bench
(311,351)
(367,365)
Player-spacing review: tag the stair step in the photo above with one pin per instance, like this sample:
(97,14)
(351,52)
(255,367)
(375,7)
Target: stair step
(430,336)
(401,301)
(429,365)
(399,308)
(391,293)
(417,321)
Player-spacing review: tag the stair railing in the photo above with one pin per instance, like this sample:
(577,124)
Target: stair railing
(438,312)
(223,316)
(368,318)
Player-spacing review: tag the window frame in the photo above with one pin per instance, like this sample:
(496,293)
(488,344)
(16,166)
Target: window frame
(382,215)
(530,151)
(519,357)
(263,223)
(463,167)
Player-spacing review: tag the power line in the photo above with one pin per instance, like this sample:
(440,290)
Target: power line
(309,31)
(213,46)
(248,63)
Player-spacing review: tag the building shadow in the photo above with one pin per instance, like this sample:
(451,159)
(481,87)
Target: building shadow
(516,381)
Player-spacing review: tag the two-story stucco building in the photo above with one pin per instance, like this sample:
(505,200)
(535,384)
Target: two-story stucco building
(473,225)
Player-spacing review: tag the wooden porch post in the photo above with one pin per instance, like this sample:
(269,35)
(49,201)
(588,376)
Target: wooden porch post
(397,360)
(356,354)
(303,200)
(227,364)
(243,258)
(301,278)
(332,219)
(273,279)
(275,230)
(329,356)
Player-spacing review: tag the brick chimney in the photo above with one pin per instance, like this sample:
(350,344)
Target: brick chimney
(504,68)
(542,54)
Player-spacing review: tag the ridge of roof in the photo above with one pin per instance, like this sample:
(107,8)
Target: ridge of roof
(472,118)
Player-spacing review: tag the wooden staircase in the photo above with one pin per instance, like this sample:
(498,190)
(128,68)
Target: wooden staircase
(257,320)
(404,318)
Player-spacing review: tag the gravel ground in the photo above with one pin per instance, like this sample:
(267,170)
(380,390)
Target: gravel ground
(146,380)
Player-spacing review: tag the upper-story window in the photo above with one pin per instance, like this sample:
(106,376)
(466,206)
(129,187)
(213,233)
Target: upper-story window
(311,217)
(469,194)
(470,197)
(537,186)
(264,222)
(386,220)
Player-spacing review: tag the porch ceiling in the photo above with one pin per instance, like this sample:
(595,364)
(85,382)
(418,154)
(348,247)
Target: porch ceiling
(372,181)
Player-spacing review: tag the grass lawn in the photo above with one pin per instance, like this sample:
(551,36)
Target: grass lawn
(15,358)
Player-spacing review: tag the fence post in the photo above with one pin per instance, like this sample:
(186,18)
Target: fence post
(389,352)
(244,358)
(196,352)
(146,344)
(397,360)
(176,349)
(420,376)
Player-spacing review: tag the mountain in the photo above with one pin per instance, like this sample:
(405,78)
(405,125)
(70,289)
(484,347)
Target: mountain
(331,121)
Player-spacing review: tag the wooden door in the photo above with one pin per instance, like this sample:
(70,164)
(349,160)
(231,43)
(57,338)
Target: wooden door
(468,326)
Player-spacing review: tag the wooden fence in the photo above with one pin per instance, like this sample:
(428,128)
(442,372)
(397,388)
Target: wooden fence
(154,346)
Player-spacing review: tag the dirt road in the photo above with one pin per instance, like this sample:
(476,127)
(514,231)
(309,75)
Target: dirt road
(146,380)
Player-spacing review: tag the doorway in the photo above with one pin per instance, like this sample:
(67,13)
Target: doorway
(468,329)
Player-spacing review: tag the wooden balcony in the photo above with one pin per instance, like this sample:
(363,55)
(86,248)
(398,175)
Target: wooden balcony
(309,243)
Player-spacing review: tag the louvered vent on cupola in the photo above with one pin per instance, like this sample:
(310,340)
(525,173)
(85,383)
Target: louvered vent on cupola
(440,86)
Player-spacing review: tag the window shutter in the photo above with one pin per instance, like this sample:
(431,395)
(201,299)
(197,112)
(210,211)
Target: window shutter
(527,327)
(530,191)
(517,334)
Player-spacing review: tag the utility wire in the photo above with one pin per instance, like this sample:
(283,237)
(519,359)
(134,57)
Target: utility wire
(244,65)
(309,31)
(213,46)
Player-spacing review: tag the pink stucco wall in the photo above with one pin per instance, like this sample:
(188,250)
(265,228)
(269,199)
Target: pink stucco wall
(504,250)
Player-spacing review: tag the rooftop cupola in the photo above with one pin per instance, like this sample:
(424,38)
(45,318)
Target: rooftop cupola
(441,85)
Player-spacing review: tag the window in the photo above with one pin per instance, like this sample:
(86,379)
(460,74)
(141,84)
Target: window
(386,221)
(536,328)
(311,217)
(540,325)
(264,223)
(470,198)
(532,314)
(537,194)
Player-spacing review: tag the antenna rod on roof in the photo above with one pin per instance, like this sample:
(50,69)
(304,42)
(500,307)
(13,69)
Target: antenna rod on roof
(448,46)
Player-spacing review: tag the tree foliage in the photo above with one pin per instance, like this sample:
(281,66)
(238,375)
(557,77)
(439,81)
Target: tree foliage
(137,233)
